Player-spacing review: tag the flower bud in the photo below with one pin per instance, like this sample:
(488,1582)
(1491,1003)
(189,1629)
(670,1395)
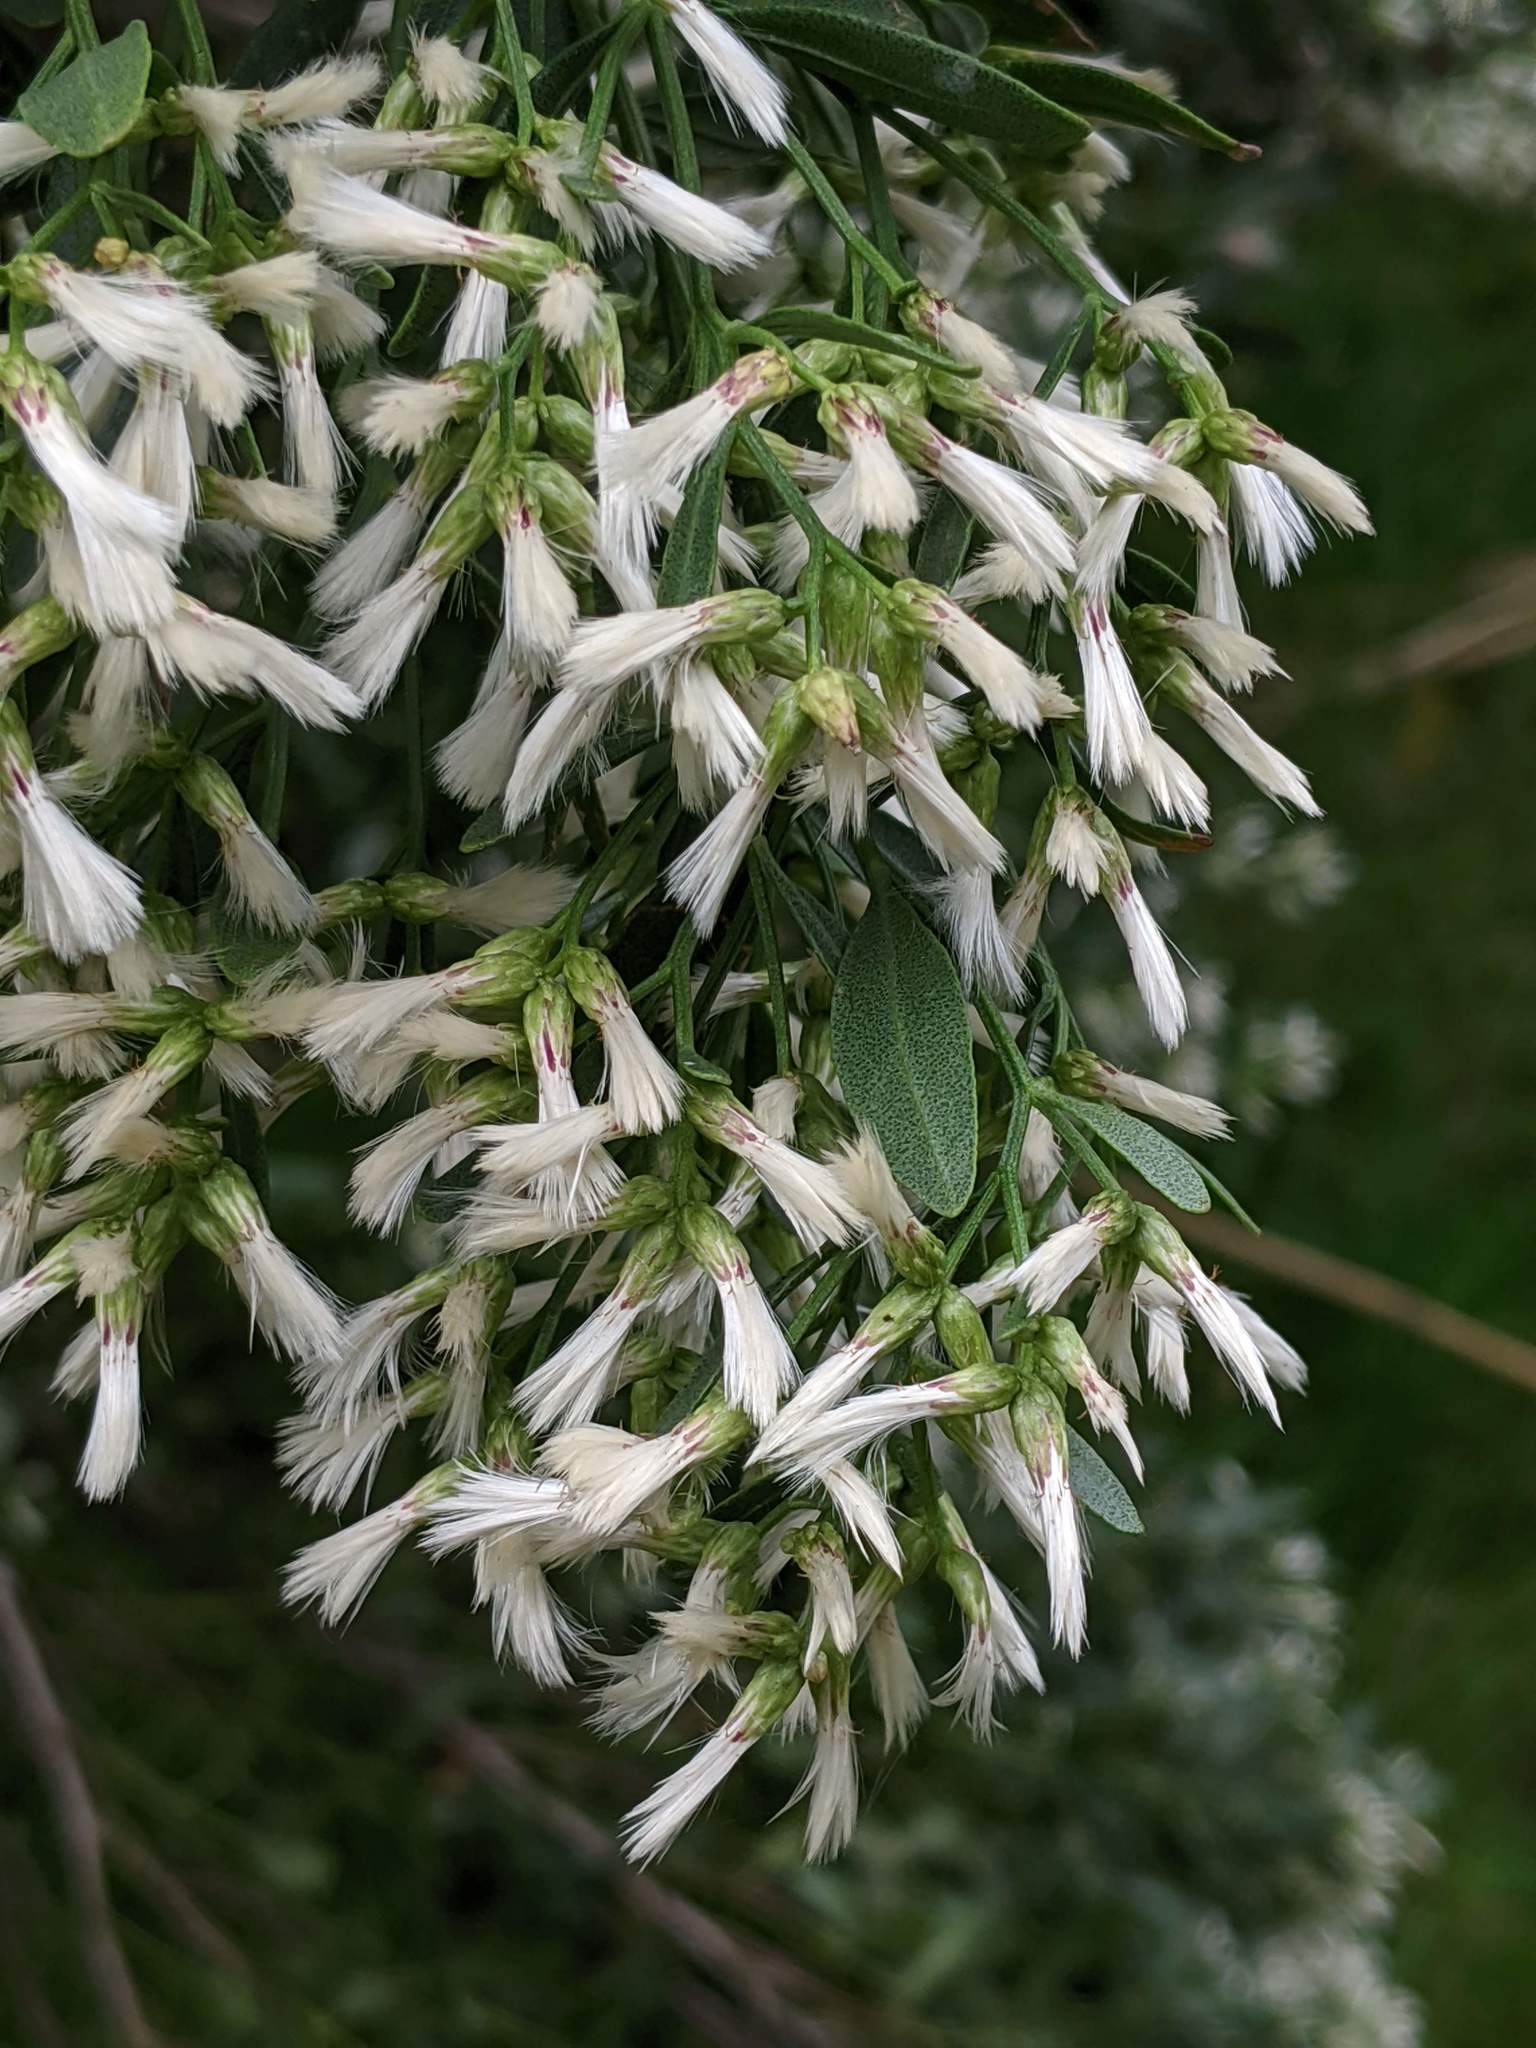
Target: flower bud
(567,427)
(961,1331)
(44,628)
(826,696)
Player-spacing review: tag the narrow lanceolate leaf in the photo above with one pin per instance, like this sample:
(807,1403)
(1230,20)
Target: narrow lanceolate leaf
(888,66)
(693,545)
(425,315)
(900,845)
(1106,95)
(902,1047)
(293,35)
(94,101)
(944,541)
(488,829)
(823,928)
(561,79)
(1098,1489)
(1162,1165)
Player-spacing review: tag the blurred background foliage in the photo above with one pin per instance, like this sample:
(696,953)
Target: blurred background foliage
(1198,1837)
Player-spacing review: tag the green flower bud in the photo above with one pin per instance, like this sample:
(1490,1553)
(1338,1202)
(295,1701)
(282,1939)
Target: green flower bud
(567,510)
(961,1331)
(1105,393)
(826,697)
(162,1233)
(567,427)
(350,903)
(42,629)
(979,783)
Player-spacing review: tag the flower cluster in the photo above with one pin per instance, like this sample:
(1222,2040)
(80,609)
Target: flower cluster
(731,575)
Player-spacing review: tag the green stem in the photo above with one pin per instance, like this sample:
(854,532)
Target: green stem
(970,1223)
(764,337)
(272,779)
(149,209)
(795,503)
(1084,1150)
(1012,1058)
(198,49)
(769,933)
(697,280)
(877,198)
(414,856)
(508,57)
(610,70)
(81,23)
(56,223)
(674,105)
(564,1288)
(679,971)
(826,1287)
(785,1285)
(1062,354)
(1002,201)
(842,221)
(627,835)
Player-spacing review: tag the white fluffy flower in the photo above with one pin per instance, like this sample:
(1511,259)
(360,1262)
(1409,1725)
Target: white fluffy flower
(749,92)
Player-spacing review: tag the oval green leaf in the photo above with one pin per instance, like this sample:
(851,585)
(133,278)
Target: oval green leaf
(889,66)
(901,1044)
(1161,1164)
(93,103)
(1098,1489)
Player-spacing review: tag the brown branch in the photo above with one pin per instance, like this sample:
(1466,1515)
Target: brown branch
(159,1883)
(41,2025)
(775,1989)
(46,1733)
(1367,1293)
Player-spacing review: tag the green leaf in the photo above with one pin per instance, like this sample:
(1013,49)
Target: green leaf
(1155,580)
(486,830)
(889,66)
(1225,1196)
(556,85)
(824,928)
(1152,831)
(33,13)
(901,1044)
(1106,95)
(243,953)
(293,34)
(1161,1164)
(1098,1489)
(810,323)
(944,541)
(903,849)
(693,546)
(91,105)
(436,288)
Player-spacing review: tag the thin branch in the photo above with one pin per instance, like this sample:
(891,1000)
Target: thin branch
(160,1884)
(41,2025)
(46,1733)
(1368,1293)
(772,1986)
